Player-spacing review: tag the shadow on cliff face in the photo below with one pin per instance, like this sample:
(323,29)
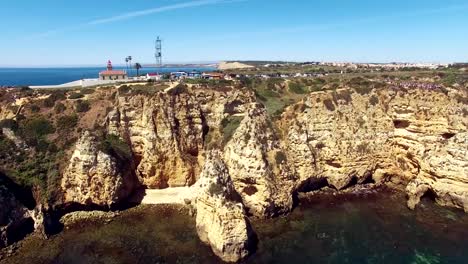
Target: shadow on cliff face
(309,185)
(53,226)
(15,227)
(253,240)
(313,184)
(429,195)
(22,194)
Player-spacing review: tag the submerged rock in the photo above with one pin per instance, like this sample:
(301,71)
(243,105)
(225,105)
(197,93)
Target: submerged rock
(221,220)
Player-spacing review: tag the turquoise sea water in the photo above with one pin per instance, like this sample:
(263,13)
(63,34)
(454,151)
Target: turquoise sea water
(55,76)
(364,228)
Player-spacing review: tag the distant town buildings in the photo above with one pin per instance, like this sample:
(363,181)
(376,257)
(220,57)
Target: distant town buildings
(393,65)
(111,74)
(153,76)
(213,76)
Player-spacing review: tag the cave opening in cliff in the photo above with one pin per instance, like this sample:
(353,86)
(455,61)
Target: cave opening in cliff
(429,195)
(448,135)
(313,184)
(19,231)
(23,194)
(401,123)
(369,180)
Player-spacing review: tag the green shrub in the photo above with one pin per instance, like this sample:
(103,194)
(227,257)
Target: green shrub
(25,89)
(363,90)
(115,146)
(34,130)
(246,82)
(179,89)
(124,89)
(232,106)
(37,127)
(215,189)
(87,91)
(35,108)
(280,157)
(67,122)
(59,108)
(374,100)
(297,88)
(9,123)
(230,125)
(358,81)
(146,89)
(75,96)
(82,106)
(6,147)
(362,149)
(342,95)
(449,79)
(53,97)
(272,83)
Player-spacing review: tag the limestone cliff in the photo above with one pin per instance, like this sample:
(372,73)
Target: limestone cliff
(94,177)
(167,130)
(401,136)
(221,220)
(258,166)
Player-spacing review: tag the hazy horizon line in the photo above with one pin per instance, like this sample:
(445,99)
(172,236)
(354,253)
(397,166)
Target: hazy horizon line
(219,61)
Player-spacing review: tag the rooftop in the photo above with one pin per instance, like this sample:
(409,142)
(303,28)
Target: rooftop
(113,73)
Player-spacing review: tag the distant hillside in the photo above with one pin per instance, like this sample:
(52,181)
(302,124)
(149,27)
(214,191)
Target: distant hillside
(233,65)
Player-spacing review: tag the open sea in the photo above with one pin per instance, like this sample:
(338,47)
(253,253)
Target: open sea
(350,228)
(56,76)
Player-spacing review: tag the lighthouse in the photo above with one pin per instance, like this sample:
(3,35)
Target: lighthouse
(109,65)
(111,74)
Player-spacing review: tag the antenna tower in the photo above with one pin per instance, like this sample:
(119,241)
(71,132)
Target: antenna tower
(158,54)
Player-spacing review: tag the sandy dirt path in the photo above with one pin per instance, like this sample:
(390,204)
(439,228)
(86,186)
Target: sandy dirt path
(167,196)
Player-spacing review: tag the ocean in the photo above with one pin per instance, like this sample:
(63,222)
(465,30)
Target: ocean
(370,227)
(56,76)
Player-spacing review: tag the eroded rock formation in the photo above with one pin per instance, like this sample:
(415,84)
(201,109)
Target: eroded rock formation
(167,131)
(258,166)
(94,177)
(221,220)
(399,136)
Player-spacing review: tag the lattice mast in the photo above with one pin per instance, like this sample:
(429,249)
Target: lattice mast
(158,54)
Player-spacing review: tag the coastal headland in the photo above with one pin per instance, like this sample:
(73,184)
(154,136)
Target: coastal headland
(236,147)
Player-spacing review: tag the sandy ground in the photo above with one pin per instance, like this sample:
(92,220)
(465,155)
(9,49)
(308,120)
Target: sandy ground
(174,195)
(171,86)
(233,65)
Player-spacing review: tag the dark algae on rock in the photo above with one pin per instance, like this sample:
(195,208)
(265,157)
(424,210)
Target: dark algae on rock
(366,227)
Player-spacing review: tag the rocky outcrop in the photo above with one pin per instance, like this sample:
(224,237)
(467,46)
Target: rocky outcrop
(15,219)
(221,220)
(167,131)
(10,134)
(259,167)
(94,177)
(443,174)
(406,136)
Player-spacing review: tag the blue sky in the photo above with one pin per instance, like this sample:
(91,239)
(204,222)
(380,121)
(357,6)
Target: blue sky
(88,32)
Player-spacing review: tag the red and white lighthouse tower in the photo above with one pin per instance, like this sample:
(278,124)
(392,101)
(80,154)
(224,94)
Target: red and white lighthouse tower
(109,65)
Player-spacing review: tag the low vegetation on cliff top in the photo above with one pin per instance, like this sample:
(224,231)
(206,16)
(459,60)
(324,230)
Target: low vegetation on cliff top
(45,125)
(50,121)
